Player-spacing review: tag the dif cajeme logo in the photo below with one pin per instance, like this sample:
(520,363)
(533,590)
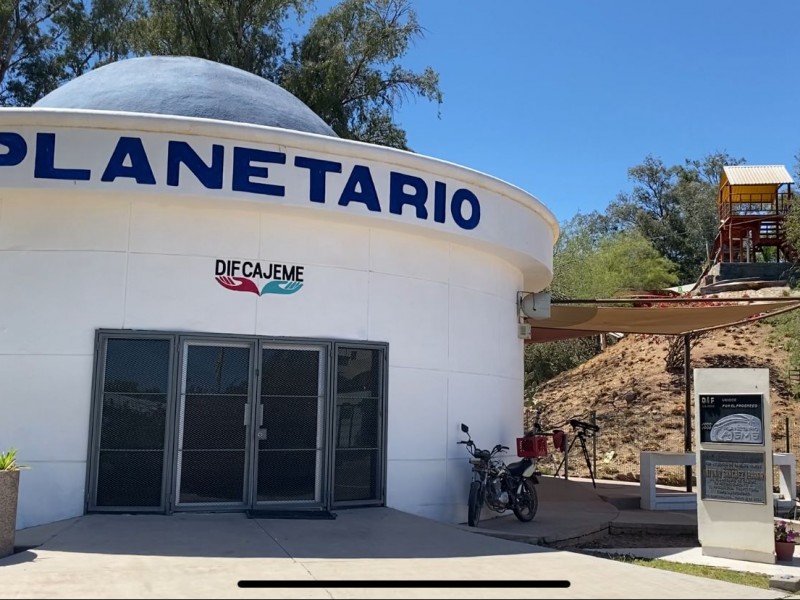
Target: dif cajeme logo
(253,277)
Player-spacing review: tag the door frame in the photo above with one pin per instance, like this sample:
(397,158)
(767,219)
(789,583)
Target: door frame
(182,345)
(96,415)
(324,381)
(382,431)
(169,482)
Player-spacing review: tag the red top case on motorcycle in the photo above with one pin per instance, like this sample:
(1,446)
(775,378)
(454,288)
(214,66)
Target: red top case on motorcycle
(532,446)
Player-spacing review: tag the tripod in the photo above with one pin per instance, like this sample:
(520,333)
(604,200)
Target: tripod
(580,436)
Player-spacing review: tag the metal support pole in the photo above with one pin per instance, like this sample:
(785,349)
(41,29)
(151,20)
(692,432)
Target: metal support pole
(788,445)
(687,421)
(594,441)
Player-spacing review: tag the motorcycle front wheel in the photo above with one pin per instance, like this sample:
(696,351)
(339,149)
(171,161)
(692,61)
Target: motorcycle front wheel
(475,503)
(527,502)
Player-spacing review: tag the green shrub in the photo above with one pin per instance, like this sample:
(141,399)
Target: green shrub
(8,461)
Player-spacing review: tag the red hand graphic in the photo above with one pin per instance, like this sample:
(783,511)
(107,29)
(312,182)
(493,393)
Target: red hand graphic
(238,284)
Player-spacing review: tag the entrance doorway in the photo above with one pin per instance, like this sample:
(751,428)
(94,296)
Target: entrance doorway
(251,424)
(236,423)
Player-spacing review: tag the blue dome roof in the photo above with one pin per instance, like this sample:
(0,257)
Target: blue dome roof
(187,87)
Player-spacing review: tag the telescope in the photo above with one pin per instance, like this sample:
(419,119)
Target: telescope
(580,436)
(574,423)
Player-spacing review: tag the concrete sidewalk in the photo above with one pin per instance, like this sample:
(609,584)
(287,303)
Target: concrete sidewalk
(571,510)
(205,555)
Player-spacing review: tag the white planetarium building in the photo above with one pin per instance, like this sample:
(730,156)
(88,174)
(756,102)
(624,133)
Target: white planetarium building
(211,302)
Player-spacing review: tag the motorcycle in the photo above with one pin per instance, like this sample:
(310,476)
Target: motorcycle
(498,485)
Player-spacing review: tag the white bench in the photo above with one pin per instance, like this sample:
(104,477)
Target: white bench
(652,500)
(787,467)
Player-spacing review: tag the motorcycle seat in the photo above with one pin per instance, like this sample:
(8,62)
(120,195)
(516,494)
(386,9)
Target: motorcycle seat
(517,468)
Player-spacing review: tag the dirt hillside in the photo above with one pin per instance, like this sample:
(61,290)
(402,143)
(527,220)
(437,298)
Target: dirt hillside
(640,406)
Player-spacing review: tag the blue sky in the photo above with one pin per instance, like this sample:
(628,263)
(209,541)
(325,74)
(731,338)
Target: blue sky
(561,97)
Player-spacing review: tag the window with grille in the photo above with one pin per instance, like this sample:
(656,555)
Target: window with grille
(358,424)
(131,440)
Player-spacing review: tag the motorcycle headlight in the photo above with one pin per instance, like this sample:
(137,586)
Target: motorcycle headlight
(475,461)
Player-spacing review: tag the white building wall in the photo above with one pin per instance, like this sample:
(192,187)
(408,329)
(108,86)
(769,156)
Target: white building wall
(76,261)
(63,267)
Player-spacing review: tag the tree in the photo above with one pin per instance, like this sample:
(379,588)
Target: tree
(628,261)
(45,43)
(346,69)
(28,41)
(709,168)
(546,360)
(697,190)
(591,264)
(104,33)
(792,222)
(675,208)
(247,34)
(588,265)
(653,208)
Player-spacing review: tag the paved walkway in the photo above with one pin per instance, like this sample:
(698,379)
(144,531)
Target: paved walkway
(575,510)
(204,556)
(571,510)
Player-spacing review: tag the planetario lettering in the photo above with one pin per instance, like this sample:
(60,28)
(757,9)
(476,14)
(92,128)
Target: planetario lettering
(213,303)
(129,160)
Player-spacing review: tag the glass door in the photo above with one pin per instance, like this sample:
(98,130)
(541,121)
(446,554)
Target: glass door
(189,421)
(214,413)
(358,425)
(290,431)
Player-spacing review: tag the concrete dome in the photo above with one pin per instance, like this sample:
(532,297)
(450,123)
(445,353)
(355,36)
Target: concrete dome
(188,87)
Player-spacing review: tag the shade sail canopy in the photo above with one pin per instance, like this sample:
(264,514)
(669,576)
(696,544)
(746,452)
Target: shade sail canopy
(571,321)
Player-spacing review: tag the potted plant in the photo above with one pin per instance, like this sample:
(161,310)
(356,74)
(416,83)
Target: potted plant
(784,540)
(9,492)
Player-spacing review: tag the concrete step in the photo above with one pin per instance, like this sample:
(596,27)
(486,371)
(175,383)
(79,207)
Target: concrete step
(645,527)
(622,502)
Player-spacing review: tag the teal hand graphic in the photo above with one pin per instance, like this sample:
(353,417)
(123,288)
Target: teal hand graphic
(281,287)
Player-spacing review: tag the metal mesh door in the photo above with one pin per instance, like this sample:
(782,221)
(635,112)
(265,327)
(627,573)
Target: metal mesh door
(133,409)
(213,424)
(289,461)
(358,425)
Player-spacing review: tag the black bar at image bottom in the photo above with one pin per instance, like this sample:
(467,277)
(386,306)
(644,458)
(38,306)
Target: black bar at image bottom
(406,583)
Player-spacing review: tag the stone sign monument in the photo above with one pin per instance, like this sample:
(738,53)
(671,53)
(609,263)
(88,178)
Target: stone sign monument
(734,454)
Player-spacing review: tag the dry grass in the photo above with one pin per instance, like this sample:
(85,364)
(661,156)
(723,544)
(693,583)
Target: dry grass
(756,580)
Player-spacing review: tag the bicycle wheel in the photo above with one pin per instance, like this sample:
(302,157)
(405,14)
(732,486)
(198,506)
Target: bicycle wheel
(475,503)
(527,502)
